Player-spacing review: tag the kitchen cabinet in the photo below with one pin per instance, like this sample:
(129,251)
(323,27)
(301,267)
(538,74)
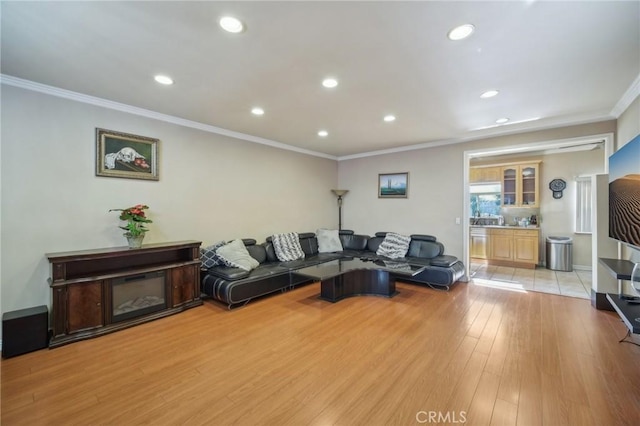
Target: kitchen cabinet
(505,246)
(520,185)
(501,244)
(484,174)
(525,246)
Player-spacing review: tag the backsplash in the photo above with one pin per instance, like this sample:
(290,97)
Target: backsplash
(511,213)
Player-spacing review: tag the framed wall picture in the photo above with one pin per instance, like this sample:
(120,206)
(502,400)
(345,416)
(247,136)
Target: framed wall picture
(124,155)
(393,185)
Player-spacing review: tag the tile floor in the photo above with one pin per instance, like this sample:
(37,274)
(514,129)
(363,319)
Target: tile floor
(573,284)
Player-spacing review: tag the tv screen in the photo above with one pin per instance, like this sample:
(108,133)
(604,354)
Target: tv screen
(624,193)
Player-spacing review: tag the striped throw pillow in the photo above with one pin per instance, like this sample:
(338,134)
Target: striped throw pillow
(394,246)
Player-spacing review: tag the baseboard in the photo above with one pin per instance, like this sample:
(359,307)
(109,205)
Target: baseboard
(582,268)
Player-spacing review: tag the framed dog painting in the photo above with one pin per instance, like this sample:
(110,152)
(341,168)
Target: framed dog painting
(123,155)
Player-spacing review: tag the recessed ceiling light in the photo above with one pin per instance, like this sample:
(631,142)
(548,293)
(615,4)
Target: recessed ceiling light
(330,82)
(389,118)
(231,24)
(502,120)
(323,133)
(489,94)
(463,31)
(257,111)
(506,124)
(163,79)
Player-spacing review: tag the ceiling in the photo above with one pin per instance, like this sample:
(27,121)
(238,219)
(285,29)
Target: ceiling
(562,62)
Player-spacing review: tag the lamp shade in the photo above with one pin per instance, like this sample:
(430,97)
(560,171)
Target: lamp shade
(340,192)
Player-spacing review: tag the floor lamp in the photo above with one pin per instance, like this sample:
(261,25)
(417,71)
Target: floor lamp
(339,193)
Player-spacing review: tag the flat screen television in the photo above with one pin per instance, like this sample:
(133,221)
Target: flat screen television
(624,194)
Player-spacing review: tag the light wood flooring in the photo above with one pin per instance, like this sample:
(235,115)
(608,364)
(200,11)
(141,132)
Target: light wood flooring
(573,284)
(479,354)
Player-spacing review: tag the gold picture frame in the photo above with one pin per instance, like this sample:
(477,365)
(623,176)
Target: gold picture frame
(123,155)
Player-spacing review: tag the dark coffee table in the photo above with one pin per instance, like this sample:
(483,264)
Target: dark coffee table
(355,277)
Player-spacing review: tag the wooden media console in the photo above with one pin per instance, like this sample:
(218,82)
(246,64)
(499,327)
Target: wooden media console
(103,290)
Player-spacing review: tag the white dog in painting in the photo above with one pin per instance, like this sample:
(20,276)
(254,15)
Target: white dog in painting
(126,155)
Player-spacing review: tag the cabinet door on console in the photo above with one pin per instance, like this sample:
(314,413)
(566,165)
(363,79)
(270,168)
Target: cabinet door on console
(182,284)
(85,308)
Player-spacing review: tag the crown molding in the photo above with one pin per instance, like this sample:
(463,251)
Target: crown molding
(530,126)
(105,103)
(621,106)
(629,96)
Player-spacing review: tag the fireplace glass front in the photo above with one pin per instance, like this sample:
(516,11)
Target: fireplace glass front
(138,295)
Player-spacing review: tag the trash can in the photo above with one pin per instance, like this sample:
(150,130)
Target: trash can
(560,254)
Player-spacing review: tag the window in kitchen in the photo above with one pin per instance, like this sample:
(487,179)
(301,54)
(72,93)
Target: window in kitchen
(485,199)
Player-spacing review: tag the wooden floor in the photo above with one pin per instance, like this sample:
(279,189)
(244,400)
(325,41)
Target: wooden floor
(478,355)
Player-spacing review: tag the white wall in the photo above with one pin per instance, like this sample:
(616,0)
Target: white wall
(436,187)
(558,215)
(211,188)
(434,195)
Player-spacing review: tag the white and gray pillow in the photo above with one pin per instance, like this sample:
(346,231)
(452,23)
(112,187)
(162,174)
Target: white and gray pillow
(394,246)
(236,255)
(328,241)
(287,246)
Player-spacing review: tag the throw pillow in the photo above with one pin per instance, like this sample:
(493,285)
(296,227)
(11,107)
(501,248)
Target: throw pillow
(236,255)
(394,246)
(209,257)
(328,241)
(287,246)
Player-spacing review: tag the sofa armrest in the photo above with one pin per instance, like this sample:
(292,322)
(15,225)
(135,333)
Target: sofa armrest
(228,273)
(444,261)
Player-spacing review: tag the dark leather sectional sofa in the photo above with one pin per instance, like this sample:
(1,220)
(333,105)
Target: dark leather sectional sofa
(235,286)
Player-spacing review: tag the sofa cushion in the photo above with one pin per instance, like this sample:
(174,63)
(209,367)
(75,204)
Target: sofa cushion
(422,237)
(309,243)
(328,241)
(235,254)
(209,257)
(425,248)
(287,246)
(271,253)
(394,245)
(374,243)
(258,252)
(354,242)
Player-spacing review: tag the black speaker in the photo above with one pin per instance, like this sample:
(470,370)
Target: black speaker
(25,330)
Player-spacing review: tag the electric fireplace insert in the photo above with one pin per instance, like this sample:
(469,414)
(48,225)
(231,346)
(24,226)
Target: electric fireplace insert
(138,295)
